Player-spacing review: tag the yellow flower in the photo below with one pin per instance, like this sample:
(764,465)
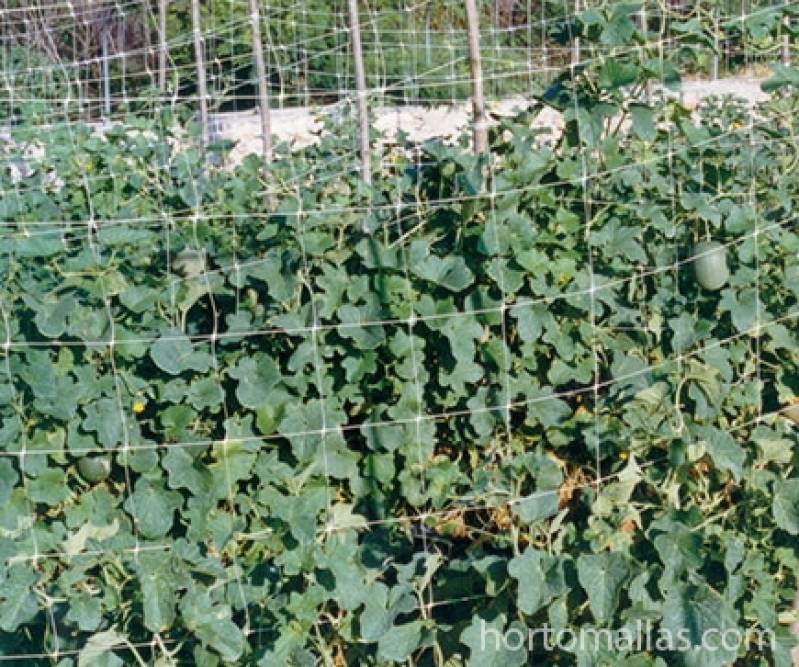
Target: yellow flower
(624,455)
(138,407)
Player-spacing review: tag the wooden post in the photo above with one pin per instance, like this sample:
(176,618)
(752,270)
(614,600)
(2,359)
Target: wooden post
(263,86)
(480,129)
(645,33)
(428,47)
(199,55)
(576,39)
(106,75)
(360,83)
(162,44)
(714,63)
(786,39)
(644,24)
(123,61)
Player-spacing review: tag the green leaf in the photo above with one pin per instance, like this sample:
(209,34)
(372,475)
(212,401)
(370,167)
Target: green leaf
(725,452)
(257,376)
(97,651)
(152,508)
(76,542)
(49,487)
(531,321)
(618,239)
(158,591)
(450,272)
(174,353)
(85,611)
(602,577)
(742,306)
(687,331)
(183,473)
(342,517)
(176,419)
(18,604)
(486,641)
(105,418)
(365,337)
(695,616)
(138,298)
(400,641)
(205,393)
(643,118)
(537,506)
(381,607)
(782,76)
(541,578)
(785,505)
(680,548)
(212,624)
(8,479)
(272,271)
(619,28)
(233,462)
(615,74)
(51,315)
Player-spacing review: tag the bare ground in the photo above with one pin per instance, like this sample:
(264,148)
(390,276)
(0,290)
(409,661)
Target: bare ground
(302,126)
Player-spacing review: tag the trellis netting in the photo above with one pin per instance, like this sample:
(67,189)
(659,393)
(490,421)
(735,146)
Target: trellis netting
(299,364)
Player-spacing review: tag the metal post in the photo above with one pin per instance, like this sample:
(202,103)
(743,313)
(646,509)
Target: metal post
(478,101)
(360,83)
(263,85)
(162,44)
(199,55)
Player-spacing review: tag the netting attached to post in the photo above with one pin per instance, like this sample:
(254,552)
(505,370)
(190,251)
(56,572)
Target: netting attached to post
(376,332)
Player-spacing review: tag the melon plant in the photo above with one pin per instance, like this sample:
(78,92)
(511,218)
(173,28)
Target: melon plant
(390,422)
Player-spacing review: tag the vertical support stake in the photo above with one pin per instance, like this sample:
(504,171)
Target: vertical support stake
(786,38)
(162,44)
(106,76)
(360,84)
(199,55)
(645,32)
(263,85)
(123,60)
(714,63)
(576,55)
(478,100)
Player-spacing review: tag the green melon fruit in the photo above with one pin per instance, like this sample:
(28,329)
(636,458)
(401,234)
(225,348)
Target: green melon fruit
(710,265)
(94,468)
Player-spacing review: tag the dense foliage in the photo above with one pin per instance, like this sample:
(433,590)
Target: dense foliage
(266,415)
